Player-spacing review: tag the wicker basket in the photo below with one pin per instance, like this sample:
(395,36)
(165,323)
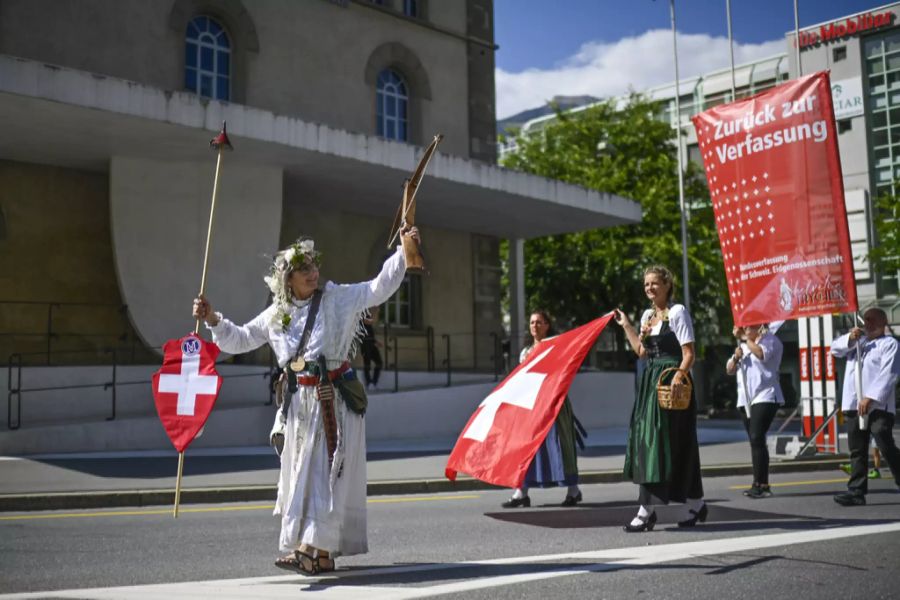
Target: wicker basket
(668,400)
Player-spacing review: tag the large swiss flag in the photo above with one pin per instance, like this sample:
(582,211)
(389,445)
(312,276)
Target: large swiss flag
(508,427)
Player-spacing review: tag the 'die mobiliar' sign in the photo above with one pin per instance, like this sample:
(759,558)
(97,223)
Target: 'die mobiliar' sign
(775,182)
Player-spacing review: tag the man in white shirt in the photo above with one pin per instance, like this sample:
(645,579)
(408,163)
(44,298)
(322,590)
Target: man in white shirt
(880,370)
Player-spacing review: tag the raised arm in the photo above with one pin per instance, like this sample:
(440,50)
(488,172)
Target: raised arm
(234,339)
(845,345)
(630,334)
(377,291)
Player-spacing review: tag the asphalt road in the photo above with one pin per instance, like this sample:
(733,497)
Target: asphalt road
(797,543)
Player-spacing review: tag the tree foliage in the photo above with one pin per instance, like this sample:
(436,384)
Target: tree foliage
(885,257)
(627,151)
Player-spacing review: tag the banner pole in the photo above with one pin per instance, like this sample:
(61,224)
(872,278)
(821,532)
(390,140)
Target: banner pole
(684,245)
(797,38)
(863,419)
(731,50)
(178,483)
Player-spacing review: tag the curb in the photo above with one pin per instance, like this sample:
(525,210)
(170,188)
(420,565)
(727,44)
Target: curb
(132,498)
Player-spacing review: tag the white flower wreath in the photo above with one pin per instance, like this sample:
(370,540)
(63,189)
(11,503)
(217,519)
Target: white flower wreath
(301,252)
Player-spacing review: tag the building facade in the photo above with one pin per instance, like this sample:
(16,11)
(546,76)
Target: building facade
(106,177)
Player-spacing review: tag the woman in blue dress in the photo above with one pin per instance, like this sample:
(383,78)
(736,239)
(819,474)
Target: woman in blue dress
(555,463)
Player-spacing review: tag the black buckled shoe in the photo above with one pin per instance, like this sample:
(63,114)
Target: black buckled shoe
(698,515)
(525,502)
(647,524)
(571,500)
(850,499)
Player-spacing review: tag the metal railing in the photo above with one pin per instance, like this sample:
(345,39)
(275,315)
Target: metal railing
(832,446)
(49,313)
(15,389)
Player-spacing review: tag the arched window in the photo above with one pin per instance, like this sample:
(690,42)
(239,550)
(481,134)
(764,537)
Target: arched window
(392,100)
(207,59)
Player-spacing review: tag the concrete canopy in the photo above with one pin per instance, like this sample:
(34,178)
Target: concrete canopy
(65,117)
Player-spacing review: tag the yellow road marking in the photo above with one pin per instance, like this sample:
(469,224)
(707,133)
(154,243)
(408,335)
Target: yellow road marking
(165,511)
(793,483)
(422,499)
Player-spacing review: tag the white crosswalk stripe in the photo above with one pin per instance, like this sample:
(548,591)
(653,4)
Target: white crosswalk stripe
(341,586)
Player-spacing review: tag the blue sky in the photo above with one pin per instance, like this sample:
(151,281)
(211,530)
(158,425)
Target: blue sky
(590,46)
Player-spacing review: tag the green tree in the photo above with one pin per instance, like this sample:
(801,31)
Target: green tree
(624,150)
(886,256)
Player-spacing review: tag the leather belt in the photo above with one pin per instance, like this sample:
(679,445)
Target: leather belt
(304,379)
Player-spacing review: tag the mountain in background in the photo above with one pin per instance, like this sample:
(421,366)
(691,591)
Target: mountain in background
(563,102)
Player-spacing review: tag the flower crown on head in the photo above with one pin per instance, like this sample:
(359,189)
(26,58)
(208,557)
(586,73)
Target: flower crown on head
(296,255)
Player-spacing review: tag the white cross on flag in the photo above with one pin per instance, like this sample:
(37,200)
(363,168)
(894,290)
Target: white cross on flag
(503,435)
(185,387)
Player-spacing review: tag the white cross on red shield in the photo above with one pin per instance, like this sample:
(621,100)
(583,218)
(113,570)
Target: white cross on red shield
(185,387)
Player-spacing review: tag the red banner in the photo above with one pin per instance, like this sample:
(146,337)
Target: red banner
(775,181)
(508,427)
(185,387)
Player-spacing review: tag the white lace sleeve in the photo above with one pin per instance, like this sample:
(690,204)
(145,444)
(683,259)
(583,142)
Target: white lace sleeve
(355,297)
(237,339)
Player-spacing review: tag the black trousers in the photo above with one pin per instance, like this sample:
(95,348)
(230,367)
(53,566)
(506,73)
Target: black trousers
(881,427)
(371,356)
(761,416)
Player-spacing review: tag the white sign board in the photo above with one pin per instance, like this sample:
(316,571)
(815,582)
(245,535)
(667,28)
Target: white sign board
(847,96)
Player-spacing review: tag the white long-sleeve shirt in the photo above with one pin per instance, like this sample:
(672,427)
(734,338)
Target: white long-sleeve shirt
(335,327)
(759,378)
(880,369)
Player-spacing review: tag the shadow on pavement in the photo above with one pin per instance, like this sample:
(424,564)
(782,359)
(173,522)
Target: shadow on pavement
(164,466)
(721,518)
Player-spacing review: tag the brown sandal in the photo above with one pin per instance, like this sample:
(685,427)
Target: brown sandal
(305,564)
(290,562)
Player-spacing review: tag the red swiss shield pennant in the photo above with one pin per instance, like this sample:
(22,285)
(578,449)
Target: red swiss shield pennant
(185,387)
(502,436)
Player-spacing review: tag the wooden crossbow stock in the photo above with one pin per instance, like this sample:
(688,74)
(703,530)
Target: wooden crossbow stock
(406,212)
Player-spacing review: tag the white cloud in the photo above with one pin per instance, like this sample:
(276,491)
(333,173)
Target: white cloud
(610,69)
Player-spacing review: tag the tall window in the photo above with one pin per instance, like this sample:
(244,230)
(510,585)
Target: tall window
(392,100)
(882,80)
(404,308)
(207,59)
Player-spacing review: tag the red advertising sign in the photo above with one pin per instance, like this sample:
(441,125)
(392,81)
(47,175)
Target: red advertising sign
(829,365)
(777,192)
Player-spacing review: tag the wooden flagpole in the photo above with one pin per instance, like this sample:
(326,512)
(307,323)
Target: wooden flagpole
(220,143)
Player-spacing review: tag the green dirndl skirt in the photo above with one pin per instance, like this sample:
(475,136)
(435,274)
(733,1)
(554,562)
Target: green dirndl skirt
(662,454)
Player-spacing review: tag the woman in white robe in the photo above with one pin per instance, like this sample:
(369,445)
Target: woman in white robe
(322,506)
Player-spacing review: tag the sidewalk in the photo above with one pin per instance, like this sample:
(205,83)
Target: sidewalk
(70,481)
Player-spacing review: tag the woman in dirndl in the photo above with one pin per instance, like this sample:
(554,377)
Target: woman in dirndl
(555,463)
(662,455)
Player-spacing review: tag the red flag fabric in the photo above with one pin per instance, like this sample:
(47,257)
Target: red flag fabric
(777,192)
(508,427)
(185,387)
